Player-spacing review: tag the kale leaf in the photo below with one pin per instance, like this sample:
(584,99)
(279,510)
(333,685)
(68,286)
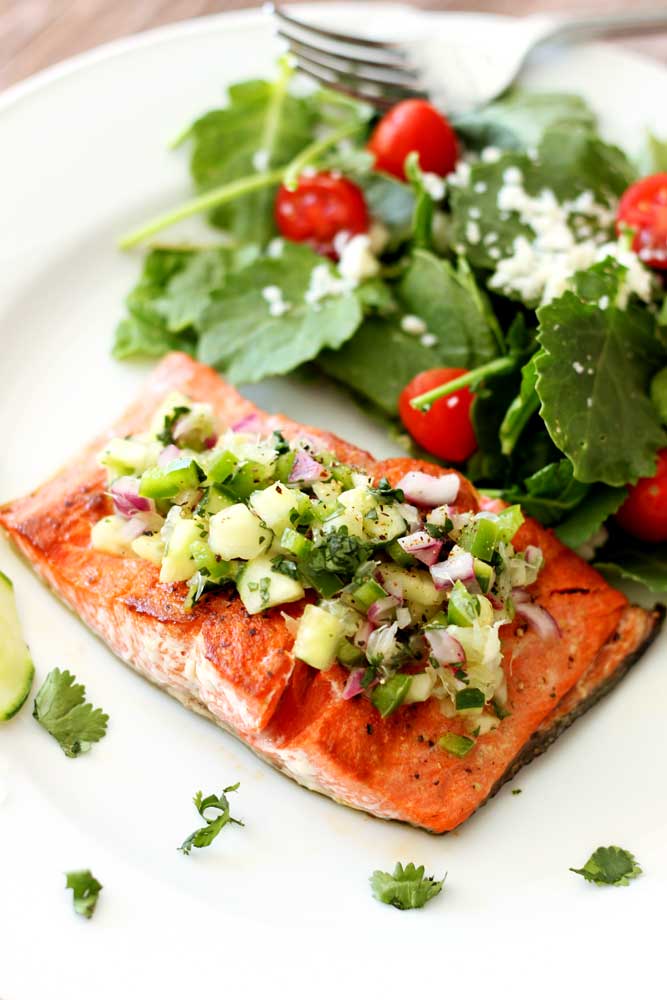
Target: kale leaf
(599,504)
(205,835)
(609,866)
(407,888)
(61,708)
(85,891)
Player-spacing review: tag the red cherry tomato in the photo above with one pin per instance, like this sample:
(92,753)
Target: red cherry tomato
(643,208)
(644,513)
(321,206)
(445,430)
(411,126)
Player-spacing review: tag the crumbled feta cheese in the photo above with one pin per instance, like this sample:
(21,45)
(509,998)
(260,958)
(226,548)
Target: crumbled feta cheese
(379,237)
(494,252)
(512,176)
(434,186)
(357,260)
(260,159)
(275,247)
(274,296)
(474,213)
(413,324)
(490,238)
(428,340)
(473,232)
(578,367)
(460,176)
(491,154)
(480,187)
(324,283)
(603,302)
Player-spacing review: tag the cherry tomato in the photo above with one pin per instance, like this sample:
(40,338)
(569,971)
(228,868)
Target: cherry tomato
(644,513)
(321,206)
(445,430)
(643,208)
(414,125)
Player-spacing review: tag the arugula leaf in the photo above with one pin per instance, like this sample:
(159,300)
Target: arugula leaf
(593,375)
(85,891)
(61,708)
(520,118)
(550,492)
(134,338)
(599,504)
(262,127)
(239,335)
(422,218)
(609,866)
(653,157)
(205,835)
(406,888)
(632,560)
(658,393)
(381,358)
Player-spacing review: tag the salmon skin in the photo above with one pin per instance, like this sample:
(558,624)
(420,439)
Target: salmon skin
(240,670)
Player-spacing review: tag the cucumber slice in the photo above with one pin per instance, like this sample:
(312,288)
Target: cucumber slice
(237,533)
(178,563)
(16,667)
(318,637)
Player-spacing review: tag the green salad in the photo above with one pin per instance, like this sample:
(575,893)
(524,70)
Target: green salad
(512,271)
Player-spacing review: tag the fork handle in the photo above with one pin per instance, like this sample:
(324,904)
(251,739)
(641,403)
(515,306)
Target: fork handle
(615,25)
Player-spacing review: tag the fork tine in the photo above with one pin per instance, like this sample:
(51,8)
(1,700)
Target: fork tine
(333,82)
(338,36)
(351,70)
(386,70)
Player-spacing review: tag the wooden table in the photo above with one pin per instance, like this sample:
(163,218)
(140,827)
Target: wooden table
(36,33)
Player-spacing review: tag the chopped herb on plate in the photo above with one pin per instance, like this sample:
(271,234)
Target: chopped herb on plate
(61,708)
(406,888)
(205,835)
(85,891)
(609,866)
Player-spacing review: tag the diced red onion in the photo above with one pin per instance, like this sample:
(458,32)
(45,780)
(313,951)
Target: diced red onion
(363,634)
(422,546)
(211,441)
(533,555)
(542,621)
(353,684)
(168,454)
(495,602)
(459,566)
(410,515)
(382,643)
(445,647)
(305,469)
(429,491)
(140,523)
(125,495)
(250,424)
(520,596)
(383,610)
(403,617)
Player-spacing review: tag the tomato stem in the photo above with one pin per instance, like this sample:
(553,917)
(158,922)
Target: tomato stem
(499,366)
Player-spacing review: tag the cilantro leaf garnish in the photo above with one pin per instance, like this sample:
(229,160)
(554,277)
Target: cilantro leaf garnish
(86,891)
(340,552)
(61,708)
(386,492)
(407,888)
(205,835)
(609,866)
(166,435)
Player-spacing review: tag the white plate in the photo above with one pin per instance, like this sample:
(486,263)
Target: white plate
(284,904)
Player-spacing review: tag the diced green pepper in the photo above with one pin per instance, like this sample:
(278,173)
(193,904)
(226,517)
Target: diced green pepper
(349,655)
(455,744)
(222,466)
(296,543)
(342,474)
(480,538)
(484,574)
(469,698)
(365,595)
(284,466)
(399,556)
(250,477)
(508,523)
(213,567)
(164,482)
(325,583)
(463,608)
(389,696)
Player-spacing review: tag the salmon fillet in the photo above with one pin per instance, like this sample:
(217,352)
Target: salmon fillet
(240,671)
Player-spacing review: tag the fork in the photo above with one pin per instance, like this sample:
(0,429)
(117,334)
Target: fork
(457,74)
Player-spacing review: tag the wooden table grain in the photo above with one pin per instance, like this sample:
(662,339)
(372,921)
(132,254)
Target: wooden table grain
(37,33)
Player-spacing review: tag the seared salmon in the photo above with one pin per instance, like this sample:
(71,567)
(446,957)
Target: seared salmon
(241,672)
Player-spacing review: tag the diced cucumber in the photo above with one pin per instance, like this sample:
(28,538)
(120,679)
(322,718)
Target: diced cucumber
(212,502)
(480,538)
(484,574)
(214,568)
(317,638)
(171,402)
(249,477)
(150,547)
(178,563)
(469,700)
(275,504)
(237,533)
(421,686)
(358,499)
(415,584)
(221,466)
(366,594)
(399,555)
(261,587)
(463,608)
(295,543)
(110,535)
(284,466)
(350,519)
(165,482)
(348,654)
(508,522)
(390,695)
(327,495)
(387,525)
(16,667)
(125,455)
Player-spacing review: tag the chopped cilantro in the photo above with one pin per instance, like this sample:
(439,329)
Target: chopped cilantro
(386,492)
(86,891)
(458,745)
(61,708)
(279,443)
(287,567)
(407,888)
(265,589)
(166,435)
(340,552)
(609,866)
(205,835)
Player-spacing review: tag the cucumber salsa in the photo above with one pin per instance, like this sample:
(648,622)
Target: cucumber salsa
(408,592)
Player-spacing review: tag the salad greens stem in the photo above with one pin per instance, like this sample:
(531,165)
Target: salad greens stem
(235,189)
(499,366)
